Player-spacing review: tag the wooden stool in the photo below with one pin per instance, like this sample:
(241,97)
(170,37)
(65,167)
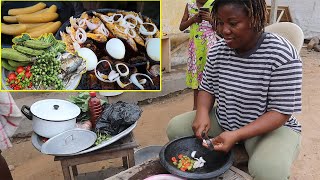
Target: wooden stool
(166,53)
(122,148)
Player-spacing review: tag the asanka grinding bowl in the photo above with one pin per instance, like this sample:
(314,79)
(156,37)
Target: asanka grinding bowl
(216,162)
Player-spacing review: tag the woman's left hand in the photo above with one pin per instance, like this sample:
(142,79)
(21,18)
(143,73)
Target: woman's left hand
(224,141)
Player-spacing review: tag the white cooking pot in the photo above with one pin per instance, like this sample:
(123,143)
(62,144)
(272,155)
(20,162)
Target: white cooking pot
(51,116)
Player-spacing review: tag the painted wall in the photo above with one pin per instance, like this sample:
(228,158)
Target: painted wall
(172,12)
(305,15)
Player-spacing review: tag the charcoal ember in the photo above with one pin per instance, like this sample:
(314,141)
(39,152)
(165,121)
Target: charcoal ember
(117,117)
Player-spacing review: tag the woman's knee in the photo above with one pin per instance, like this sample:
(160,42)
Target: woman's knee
(262,169)
(180,125)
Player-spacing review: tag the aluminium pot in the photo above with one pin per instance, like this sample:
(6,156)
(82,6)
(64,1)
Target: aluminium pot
(51,116)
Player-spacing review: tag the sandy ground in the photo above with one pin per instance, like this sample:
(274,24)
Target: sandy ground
(32,165)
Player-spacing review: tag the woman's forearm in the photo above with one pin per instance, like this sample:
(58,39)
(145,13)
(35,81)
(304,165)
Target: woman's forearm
(267,122)
(205,102)
(185,24)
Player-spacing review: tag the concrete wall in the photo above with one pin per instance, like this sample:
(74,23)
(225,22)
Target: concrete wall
(172,12)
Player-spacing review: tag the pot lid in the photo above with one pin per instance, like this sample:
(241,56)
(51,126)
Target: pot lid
(69,142)
(55,110)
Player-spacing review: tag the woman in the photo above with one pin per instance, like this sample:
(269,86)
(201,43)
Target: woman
(10,118)
(255,78)
(202,38)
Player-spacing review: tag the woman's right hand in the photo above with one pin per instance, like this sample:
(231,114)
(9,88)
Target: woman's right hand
(196,18)
(201,124)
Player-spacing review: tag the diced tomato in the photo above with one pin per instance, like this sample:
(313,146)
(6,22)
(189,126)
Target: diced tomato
(30,85)
(12,76)
(20,69)
(173,159)
(183,169)
(180,156)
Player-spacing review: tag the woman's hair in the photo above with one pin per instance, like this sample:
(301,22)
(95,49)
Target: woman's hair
(255,9)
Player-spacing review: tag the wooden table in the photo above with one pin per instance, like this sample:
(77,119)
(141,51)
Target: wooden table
(153,167)
(122,148)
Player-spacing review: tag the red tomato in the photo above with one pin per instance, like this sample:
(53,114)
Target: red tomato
(180,156)
(174,159)
(27,68)
(20,69)
(30,85)
(28,74)
(12,76)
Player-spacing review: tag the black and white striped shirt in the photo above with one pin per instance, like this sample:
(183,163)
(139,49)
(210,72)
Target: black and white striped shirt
(267,78)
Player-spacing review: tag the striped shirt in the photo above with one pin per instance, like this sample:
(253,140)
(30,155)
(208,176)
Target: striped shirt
(268,78)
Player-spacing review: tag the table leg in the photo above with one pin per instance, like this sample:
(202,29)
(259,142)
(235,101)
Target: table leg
(74,171)
(65,171)
(125,162)
(131,158)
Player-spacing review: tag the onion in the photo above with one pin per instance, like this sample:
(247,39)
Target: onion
(68,29)
(107,19)
(145,32)
(113,75)
(82,23)
(193,154)
(76,45)
(91,26)
(99,75)
(134,80)
(81,36)
(139,19)
(125,73)
(121,84)
(73,22)
(120,18)
(103,30)
(130,16)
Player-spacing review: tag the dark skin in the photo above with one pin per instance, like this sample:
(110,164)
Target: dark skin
(235,26)
(4,170)
(187,22)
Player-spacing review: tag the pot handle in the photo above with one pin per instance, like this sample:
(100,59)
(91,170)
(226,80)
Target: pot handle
(26,111)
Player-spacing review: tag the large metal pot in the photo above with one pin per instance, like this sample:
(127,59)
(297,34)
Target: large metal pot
(51,116)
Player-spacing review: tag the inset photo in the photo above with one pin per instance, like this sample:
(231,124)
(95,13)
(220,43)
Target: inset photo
(85,45)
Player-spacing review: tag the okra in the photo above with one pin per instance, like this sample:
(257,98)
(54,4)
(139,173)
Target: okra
(29,51)
(9,53)
(16,64)
(7,66)
(35,44)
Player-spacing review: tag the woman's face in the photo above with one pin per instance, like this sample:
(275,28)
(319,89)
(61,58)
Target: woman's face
(234,24)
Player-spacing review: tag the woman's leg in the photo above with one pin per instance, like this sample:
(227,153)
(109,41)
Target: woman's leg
(4,169)
(271,155)
(195,98)
(181,125)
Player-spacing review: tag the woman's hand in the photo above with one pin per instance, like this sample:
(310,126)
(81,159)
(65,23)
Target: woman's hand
(224,141)
(196,18)
(201,124)
(205,16)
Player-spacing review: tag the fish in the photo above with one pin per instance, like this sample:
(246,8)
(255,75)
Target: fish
(71,66)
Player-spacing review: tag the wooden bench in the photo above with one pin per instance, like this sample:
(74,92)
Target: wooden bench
(122,148)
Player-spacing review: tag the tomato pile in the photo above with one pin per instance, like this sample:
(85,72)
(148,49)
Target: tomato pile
(20,79)
(184,163)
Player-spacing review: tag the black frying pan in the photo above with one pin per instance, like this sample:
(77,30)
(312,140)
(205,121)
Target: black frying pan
(216,162)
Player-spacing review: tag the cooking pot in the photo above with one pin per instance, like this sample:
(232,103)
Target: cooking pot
(51,116)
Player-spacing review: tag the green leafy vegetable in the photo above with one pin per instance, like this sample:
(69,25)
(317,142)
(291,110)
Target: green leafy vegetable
(101,137)
(57,45)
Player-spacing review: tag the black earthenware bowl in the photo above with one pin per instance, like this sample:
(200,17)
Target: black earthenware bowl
(216,162)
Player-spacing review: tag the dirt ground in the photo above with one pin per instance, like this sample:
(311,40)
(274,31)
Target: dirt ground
(32,165)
